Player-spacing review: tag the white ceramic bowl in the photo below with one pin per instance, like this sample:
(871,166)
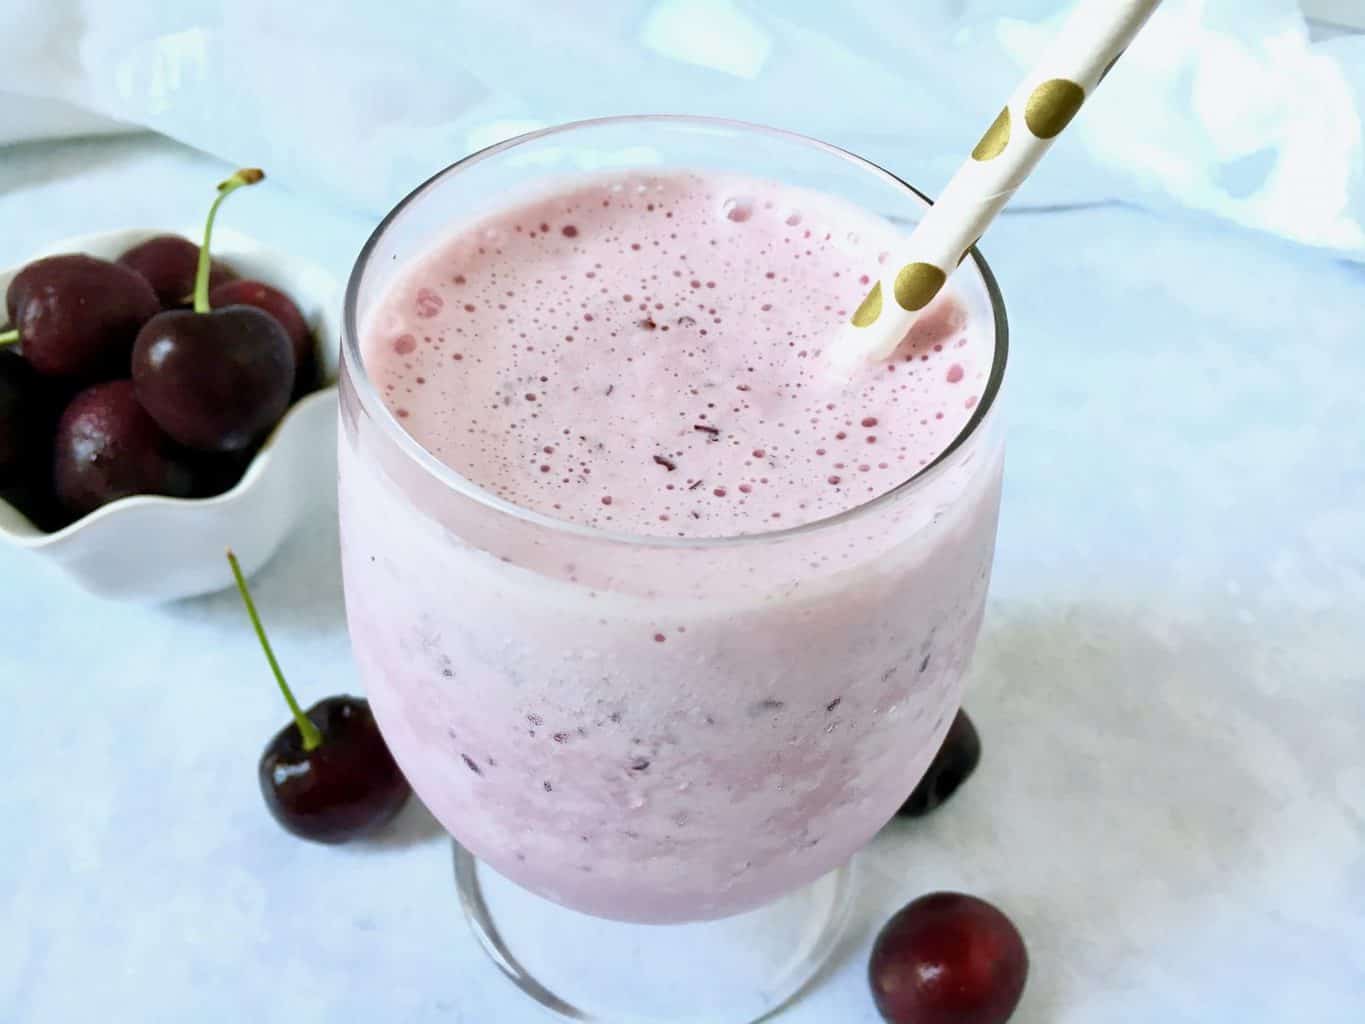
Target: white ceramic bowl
(152,548)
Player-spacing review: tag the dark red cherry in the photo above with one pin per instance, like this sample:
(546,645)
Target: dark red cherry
(215,380)
(30,406)
(328,775)
(245,292)
(168,263)
(77,315)
(32,496)
(347,785)
(20,426)
(215,473)
(107,448)
(956,759)
(948,958)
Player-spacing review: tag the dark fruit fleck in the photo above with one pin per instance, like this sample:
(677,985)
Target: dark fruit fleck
(948,958)
(346,786)
(78,315)
(168,263)
(956,759)
(215,381)
(107,448)
(274,302)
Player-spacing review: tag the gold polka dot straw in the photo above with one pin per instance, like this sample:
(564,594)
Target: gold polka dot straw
(1042,106)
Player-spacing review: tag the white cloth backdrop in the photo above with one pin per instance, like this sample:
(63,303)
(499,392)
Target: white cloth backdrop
(1223,106)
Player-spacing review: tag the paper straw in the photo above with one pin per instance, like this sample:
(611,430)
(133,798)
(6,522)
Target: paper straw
(1042,105)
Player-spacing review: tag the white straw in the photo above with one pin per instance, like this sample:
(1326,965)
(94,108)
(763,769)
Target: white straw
(1042,105)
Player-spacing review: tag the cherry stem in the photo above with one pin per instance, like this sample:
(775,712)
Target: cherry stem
(246,176)
(312,739)
(9,337)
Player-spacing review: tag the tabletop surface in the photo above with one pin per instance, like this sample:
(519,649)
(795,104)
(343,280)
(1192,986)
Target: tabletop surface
(1170,684)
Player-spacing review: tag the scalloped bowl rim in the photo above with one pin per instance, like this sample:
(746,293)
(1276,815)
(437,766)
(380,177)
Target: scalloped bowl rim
(256,468)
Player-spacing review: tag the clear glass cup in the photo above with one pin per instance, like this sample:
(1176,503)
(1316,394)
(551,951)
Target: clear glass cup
(680,742)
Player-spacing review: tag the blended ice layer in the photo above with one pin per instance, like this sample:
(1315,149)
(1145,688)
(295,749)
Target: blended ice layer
(681,725)
(648,357)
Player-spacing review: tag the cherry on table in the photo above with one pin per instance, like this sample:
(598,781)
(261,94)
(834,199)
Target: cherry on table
(345,787)
(948,958)
(956,759)
(328,775)
(215,380)
(168,263)
(107,448)
(75,315)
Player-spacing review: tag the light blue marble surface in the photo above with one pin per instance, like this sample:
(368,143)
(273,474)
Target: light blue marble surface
(1170,683)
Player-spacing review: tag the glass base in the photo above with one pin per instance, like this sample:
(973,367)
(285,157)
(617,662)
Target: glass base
(738,970)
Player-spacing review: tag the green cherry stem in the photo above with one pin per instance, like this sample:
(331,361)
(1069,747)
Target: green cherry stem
(9,337)
(246,176)
(312,739)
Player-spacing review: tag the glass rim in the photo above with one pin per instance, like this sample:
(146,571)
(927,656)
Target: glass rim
(373,405)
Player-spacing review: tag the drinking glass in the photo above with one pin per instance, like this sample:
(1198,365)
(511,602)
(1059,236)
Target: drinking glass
(656,756)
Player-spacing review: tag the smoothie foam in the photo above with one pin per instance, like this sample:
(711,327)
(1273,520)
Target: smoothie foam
(646,356)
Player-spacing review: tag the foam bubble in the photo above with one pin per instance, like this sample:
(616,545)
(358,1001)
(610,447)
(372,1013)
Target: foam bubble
(738,210)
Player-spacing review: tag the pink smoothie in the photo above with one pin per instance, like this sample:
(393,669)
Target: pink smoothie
(685,727)
(653,361)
